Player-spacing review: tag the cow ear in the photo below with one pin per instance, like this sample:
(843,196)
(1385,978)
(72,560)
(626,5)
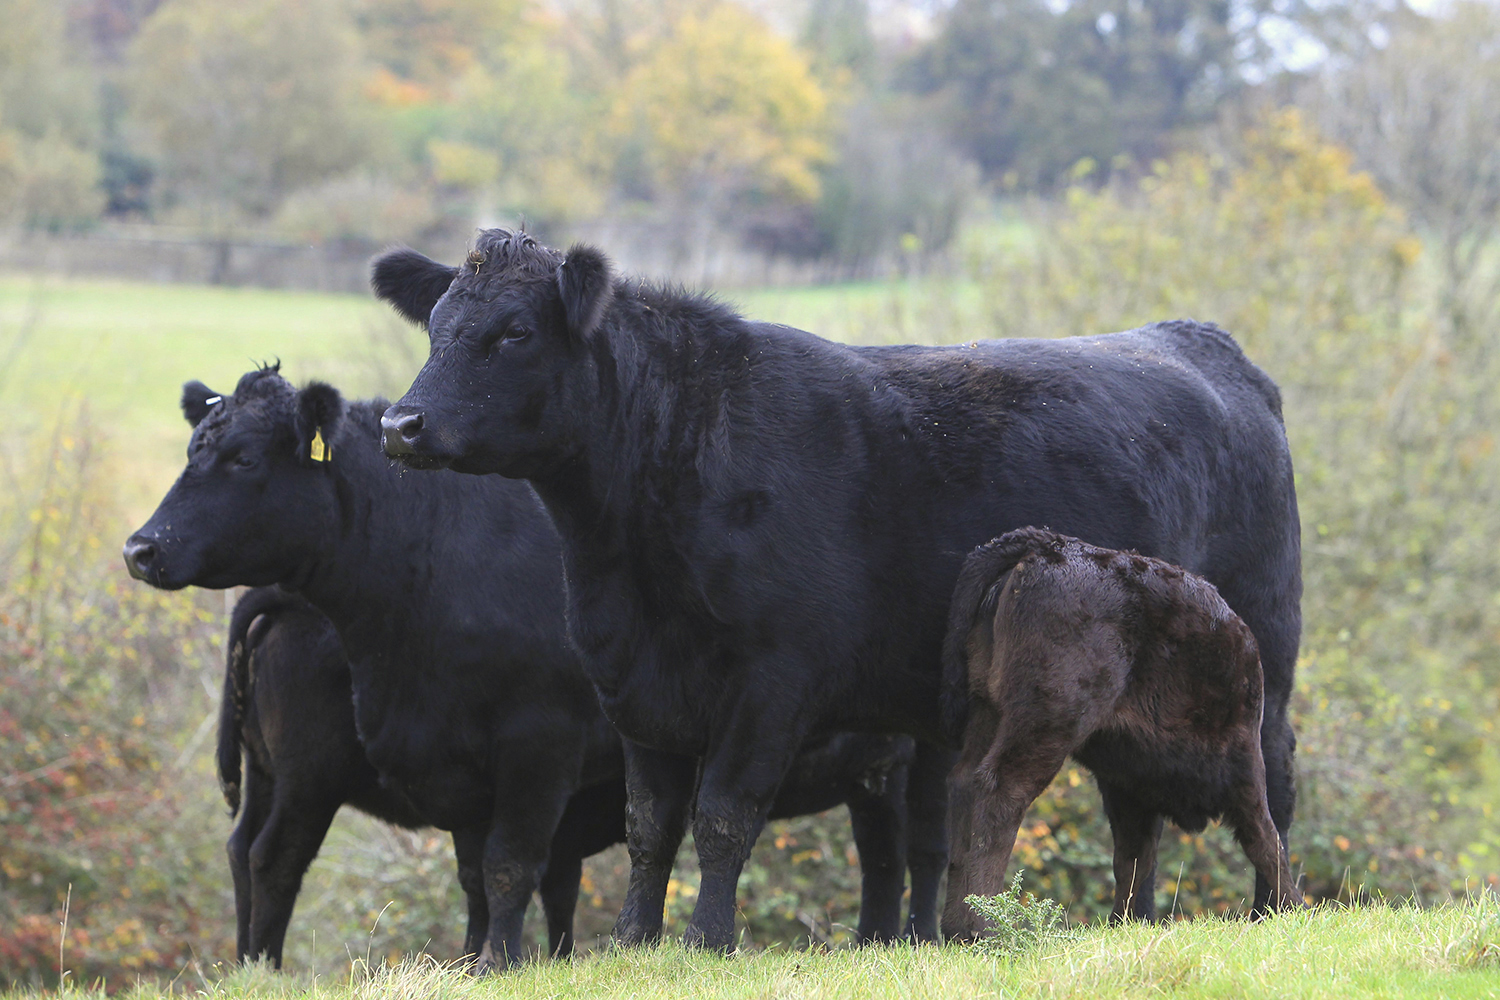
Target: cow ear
(197,400)
(319,410)
(586,280)
(410,281)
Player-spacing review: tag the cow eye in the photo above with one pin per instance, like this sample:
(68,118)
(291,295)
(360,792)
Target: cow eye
(515,334)
(244,461)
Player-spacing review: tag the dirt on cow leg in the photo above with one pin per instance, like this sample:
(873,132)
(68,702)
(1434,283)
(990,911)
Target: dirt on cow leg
(660,794)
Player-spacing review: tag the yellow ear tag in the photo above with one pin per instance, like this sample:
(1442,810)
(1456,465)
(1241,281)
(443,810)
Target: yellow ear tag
(318,451)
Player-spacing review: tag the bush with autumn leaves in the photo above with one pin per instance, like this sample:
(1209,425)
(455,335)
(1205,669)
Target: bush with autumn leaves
(98,765)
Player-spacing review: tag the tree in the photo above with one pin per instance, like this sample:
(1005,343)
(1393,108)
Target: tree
(1423,115)
(432,43)
(837,34)
(726,107)
(1030,87)
(49,164)
(248,101)
(518,106)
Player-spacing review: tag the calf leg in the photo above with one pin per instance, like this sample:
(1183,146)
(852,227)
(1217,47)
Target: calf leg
(1137,833)
(257,805)
(659,798)
(559,891)
(1278,746)
(1250,817)
(927,836)
(990,800)
(468,849)
(279,857)
(1270,606)
(879,824)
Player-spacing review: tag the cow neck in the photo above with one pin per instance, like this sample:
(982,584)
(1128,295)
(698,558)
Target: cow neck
(633,463)
(383,538)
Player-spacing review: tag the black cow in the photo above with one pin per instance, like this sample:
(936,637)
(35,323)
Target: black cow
(288,712)
(761,528)
(446,592)
(1136,669)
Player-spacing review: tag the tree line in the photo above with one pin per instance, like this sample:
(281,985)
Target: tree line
(815,128)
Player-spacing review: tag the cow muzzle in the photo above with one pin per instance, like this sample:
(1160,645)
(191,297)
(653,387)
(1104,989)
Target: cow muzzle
(141,556)
(400,429)
(405,436)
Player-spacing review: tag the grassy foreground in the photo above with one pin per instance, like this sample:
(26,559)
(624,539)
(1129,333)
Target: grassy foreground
(1448,951)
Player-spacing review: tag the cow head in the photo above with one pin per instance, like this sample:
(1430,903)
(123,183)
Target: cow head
(501,389)
(256,499)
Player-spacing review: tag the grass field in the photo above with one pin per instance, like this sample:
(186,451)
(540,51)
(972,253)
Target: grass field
(1449,951)
(124,350)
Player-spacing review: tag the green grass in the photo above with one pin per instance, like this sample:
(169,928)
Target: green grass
(124,350)
(1448,951)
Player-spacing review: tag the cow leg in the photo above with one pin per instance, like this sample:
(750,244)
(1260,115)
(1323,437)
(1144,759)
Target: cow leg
(879,823)
(529,803)
(468,850)
(279,857)
(253,812)
(559,892)
(741,774)
(659,789)
(990,798)
(927,836)
(1137,832)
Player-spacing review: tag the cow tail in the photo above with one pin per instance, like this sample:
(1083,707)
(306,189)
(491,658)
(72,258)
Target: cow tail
(972,594)
(237,682)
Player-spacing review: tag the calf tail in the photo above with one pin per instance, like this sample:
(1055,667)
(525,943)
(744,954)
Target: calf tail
(975,592)
(237,681)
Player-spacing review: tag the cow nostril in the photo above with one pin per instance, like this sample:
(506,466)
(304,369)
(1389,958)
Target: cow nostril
(398,432)
(140,558)
(410,425)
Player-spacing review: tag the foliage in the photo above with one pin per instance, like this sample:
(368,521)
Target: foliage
(1423,115)
(49,168)
(93,835)
(1029,88)
(519,107)
(428,44)
(724,105)
(896,184)
(247,102)
(1019,922)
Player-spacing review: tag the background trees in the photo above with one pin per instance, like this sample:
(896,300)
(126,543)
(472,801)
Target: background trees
(1422,113)
(248,102)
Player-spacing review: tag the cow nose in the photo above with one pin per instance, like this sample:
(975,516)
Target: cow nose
(399,430)
(140,558)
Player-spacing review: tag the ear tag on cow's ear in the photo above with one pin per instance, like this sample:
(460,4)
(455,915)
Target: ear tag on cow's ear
(318,451)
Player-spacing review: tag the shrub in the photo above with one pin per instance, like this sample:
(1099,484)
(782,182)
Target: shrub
(1021,922)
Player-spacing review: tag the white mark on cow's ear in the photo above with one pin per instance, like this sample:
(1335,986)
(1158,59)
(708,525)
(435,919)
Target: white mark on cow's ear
(197,400)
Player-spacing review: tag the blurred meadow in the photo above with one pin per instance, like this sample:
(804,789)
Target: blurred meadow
(1321,180)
